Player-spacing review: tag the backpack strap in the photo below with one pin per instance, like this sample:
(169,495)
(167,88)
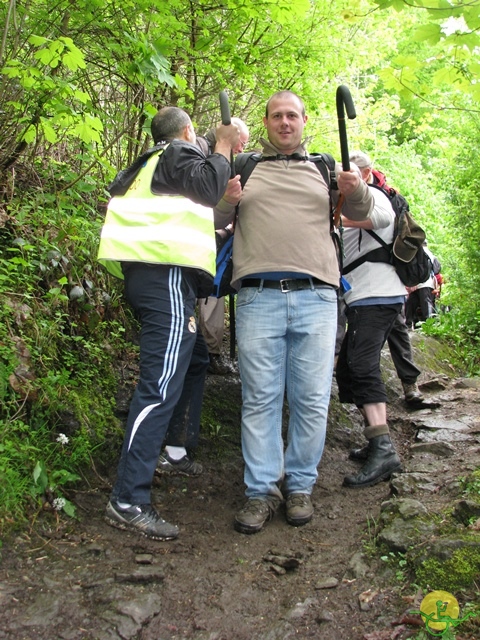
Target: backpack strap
(245,163)
(382,254)
(325,163)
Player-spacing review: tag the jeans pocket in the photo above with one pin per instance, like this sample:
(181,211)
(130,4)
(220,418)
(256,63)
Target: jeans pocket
(326,294)
(246,296)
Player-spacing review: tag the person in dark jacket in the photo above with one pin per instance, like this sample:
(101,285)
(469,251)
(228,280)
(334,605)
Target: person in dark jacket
(159,227)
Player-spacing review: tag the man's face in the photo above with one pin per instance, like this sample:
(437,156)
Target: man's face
(285,123)
(242,142)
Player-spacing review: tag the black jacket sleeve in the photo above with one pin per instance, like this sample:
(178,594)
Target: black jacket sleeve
(183,169)
(124,178)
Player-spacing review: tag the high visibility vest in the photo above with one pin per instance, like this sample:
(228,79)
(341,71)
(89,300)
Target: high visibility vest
(157,229)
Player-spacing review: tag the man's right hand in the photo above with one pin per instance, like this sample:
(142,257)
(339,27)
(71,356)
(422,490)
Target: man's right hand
(233,192)
(227,137)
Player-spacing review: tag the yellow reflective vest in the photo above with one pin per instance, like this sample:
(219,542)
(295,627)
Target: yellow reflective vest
(157,229)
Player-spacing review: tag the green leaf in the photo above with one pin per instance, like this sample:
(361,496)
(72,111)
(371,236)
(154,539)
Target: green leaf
(40,476)
(150,109)
(69,509)
(430,33)
(12,71)
(48,131)
(446,75)
(81,96)
(37,41)
(30,134)
(47,57)
(62,476)
(409,61)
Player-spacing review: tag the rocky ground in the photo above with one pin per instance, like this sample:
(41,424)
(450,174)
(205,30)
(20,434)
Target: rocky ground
(83,580)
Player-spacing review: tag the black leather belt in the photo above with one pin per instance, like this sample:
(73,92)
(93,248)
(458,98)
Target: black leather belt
(285,285)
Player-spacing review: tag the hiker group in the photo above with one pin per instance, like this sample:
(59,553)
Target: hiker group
(297,323)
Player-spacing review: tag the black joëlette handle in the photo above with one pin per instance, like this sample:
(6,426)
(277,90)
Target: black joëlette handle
(225,108)
(344,102)
(225,111)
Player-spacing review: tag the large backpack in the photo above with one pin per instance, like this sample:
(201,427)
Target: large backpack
(405,252)
(245,163)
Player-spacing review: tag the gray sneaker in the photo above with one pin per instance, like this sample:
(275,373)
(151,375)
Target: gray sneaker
(299,509)
(140,518)
(183,467)
(254,514)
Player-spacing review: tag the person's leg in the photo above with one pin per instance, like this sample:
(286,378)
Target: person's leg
(212,322)
(358,369)
(311,346)
(369,327)
(425,302)
(311,349)
(261,334)
(411,304)
(184,427)
(341,325)
(165,299)
(401,351)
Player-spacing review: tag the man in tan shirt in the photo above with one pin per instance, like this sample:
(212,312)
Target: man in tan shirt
(286,269)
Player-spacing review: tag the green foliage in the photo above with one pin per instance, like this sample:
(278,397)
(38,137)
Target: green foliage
(61,327)
(471,485)
(46,484)
(452,574)
(398,562)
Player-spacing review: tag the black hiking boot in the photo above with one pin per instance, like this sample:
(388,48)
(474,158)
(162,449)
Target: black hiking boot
(360,454)
(382,461)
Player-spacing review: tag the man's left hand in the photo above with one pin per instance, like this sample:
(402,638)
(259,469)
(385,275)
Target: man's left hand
(348,182)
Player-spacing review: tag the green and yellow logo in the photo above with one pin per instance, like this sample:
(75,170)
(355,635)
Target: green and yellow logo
(440,612)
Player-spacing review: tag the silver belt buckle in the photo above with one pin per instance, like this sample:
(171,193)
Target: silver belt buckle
(284,288)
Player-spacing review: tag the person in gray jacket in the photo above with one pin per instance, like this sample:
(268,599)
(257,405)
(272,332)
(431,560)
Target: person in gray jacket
(373,302)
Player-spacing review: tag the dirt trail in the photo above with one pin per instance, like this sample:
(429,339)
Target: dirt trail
(82,579)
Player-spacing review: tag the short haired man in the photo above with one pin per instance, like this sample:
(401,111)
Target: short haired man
(184,428)
(286,268)
(158,235)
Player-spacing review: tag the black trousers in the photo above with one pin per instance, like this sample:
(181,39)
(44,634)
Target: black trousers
(358,372)
(173,361)
(401,351)
(419,306)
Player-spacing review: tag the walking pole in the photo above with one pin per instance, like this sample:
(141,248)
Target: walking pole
(344,102)
(225,111)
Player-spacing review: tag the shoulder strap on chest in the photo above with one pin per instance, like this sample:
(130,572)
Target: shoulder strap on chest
(244,165)
(325,163)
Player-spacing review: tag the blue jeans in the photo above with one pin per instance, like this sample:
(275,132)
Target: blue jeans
(285,340)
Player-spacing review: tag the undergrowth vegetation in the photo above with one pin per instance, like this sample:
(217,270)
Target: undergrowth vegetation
(62,338)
